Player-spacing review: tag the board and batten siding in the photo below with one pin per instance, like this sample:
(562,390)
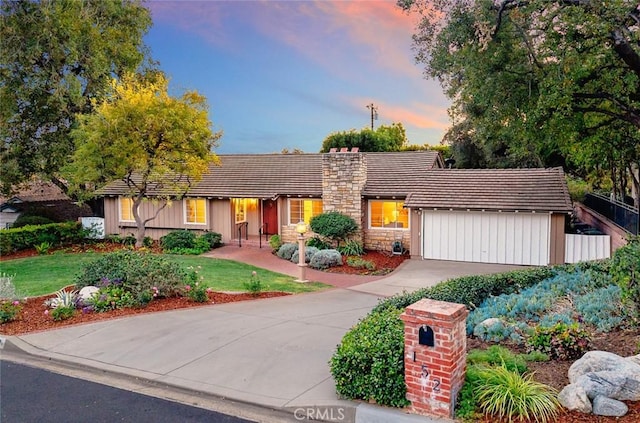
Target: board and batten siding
(487,237)
(170,218)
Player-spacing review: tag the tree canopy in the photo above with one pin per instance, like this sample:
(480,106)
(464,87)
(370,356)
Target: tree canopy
(384,138)
(56,56)
(537,82)
(156,144)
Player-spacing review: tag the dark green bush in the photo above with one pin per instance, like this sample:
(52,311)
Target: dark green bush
(214,239)
(26,220)
(178,239)
(369,364)
(318,243)
(17,239)
(187,242)
(275,242)
(334,226)
(625,271)
(135,271)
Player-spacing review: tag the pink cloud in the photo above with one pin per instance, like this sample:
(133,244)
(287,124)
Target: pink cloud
(414,115)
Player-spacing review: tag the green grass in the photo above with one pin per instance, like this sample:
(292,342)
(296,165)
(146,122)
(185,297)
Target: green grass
(40,275)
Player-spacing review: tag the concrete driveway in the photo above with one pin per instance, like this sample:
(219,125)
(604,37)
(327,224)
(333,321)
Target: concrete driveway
(272,352)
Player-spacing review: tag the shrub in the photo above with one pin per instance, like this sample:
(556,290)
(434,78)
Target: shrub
(213,239)
(254,285)
(286,250)
(351,248)
(194,289)
(471,290)
(43,248)
(562,342)
(16,239)
(112,296)
(309,252)
(360,263)
(9,310)
(325,259)
(625,271)
(333,225)
(509,395)
(497,355)
(318,243)
(368,364)
(603,308)
(178,239)
(26,220)
(275,242)
(138,272)
(63,313)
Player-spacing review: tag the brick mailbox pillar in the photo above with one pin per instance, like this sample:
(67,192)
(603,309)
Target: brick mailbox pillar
(435,345)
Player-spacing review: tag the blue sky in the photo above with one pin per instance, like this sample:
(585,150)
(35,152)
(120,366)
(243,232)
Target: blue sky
(285,74)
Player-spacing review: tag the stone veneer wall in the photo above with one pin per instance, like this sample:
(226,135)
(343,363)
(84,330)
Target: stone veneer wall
(381,240)
(344,175)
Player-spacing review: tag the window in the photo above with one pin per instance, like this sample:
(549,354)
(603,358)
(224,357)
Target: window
(126,209)
(303,210)
(195,210)
(388,214)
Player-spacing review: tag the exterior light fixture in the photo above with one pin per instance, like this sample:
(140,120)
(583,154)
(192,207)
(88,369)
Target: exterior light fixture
(301,229)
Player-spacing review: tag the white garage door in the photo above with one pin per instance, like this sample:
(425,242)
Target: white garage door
(506,238)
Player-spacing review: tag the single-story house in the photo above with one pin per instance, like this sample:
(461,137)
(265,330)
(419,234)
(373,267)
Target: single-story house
(405,197)
(40,198)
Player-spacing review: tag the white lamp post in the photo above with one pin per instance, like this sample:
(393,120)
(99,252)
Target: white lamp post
(301,229)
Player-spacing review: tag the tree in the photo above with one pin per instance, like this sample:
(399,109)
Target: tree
(384,138)
(532,82)
(156,144)
(55,57)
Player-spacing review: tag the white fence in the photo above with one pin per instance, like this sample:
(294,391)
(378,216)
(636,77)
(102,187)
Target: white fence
(586,247)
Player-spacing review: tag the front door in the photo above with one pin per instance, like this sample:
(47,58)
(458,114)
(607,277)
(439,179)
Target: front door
(270,217)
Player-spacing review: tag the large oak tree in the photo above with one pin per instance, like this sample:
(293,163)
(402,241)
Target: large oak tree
(56,56)
(538,82)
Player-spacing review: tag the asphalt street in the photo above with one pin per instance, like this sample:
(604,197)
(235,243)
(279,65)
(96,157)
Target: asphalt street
(29,394)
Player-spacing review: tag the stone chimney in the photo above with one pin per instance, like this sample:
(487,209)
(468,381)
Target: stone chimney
(344,175)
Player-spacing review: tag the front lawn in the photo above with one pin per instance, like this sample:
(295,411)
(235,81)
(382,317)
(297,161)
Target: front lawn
(40,275)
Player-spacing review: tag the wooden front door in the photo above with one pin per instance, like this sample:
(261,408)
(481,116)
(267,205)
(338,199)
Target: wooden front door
(270,217)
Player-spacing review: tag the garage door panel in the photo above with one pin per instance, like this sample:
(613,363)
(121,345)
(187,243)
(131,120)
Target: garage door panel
(508,238)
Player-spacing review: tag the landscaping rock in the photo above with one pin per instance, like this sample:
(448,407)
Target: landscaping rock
(87,292)
(603,406)
(574,398)
(488,325)
(606,379)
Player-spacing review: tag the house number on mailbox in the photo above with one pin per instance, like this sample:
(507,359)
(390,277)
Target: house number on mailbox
(425,377)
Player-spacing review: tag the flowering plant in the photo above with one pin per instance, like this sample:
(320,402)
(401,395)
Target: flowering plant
(9,310)
(194,289)
(254,286)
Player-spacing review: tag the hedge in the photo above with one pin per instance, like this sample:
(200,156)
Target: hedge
(16,239)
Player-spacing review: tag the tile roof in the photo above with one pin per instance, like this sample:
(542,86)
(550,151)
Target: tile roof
(269,175)
(492,189)
(36,191)
(398,173)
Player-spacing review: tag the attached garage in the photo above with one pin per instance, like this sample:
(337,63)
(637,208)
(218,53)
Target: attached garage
(487,237)
(504,216)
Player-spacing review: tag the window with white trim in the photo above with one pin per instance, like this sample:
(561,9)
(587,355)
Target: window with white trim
(303,210)
(195,210)
(388,214)
(126,209)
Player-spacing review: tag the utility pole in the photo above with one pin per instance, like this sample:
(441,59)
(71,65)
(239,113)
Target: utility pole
(374,113)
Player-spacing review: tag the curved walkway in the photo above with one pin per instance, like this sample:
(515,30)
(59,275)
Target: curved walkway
(262,257)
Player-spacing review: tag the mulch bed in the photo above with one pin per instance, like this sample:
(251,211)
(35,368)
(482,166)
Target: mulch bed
(384,263)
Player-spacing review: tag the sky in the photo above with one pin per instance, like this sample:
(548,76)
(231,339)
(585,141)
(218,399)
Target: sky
(285,74)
